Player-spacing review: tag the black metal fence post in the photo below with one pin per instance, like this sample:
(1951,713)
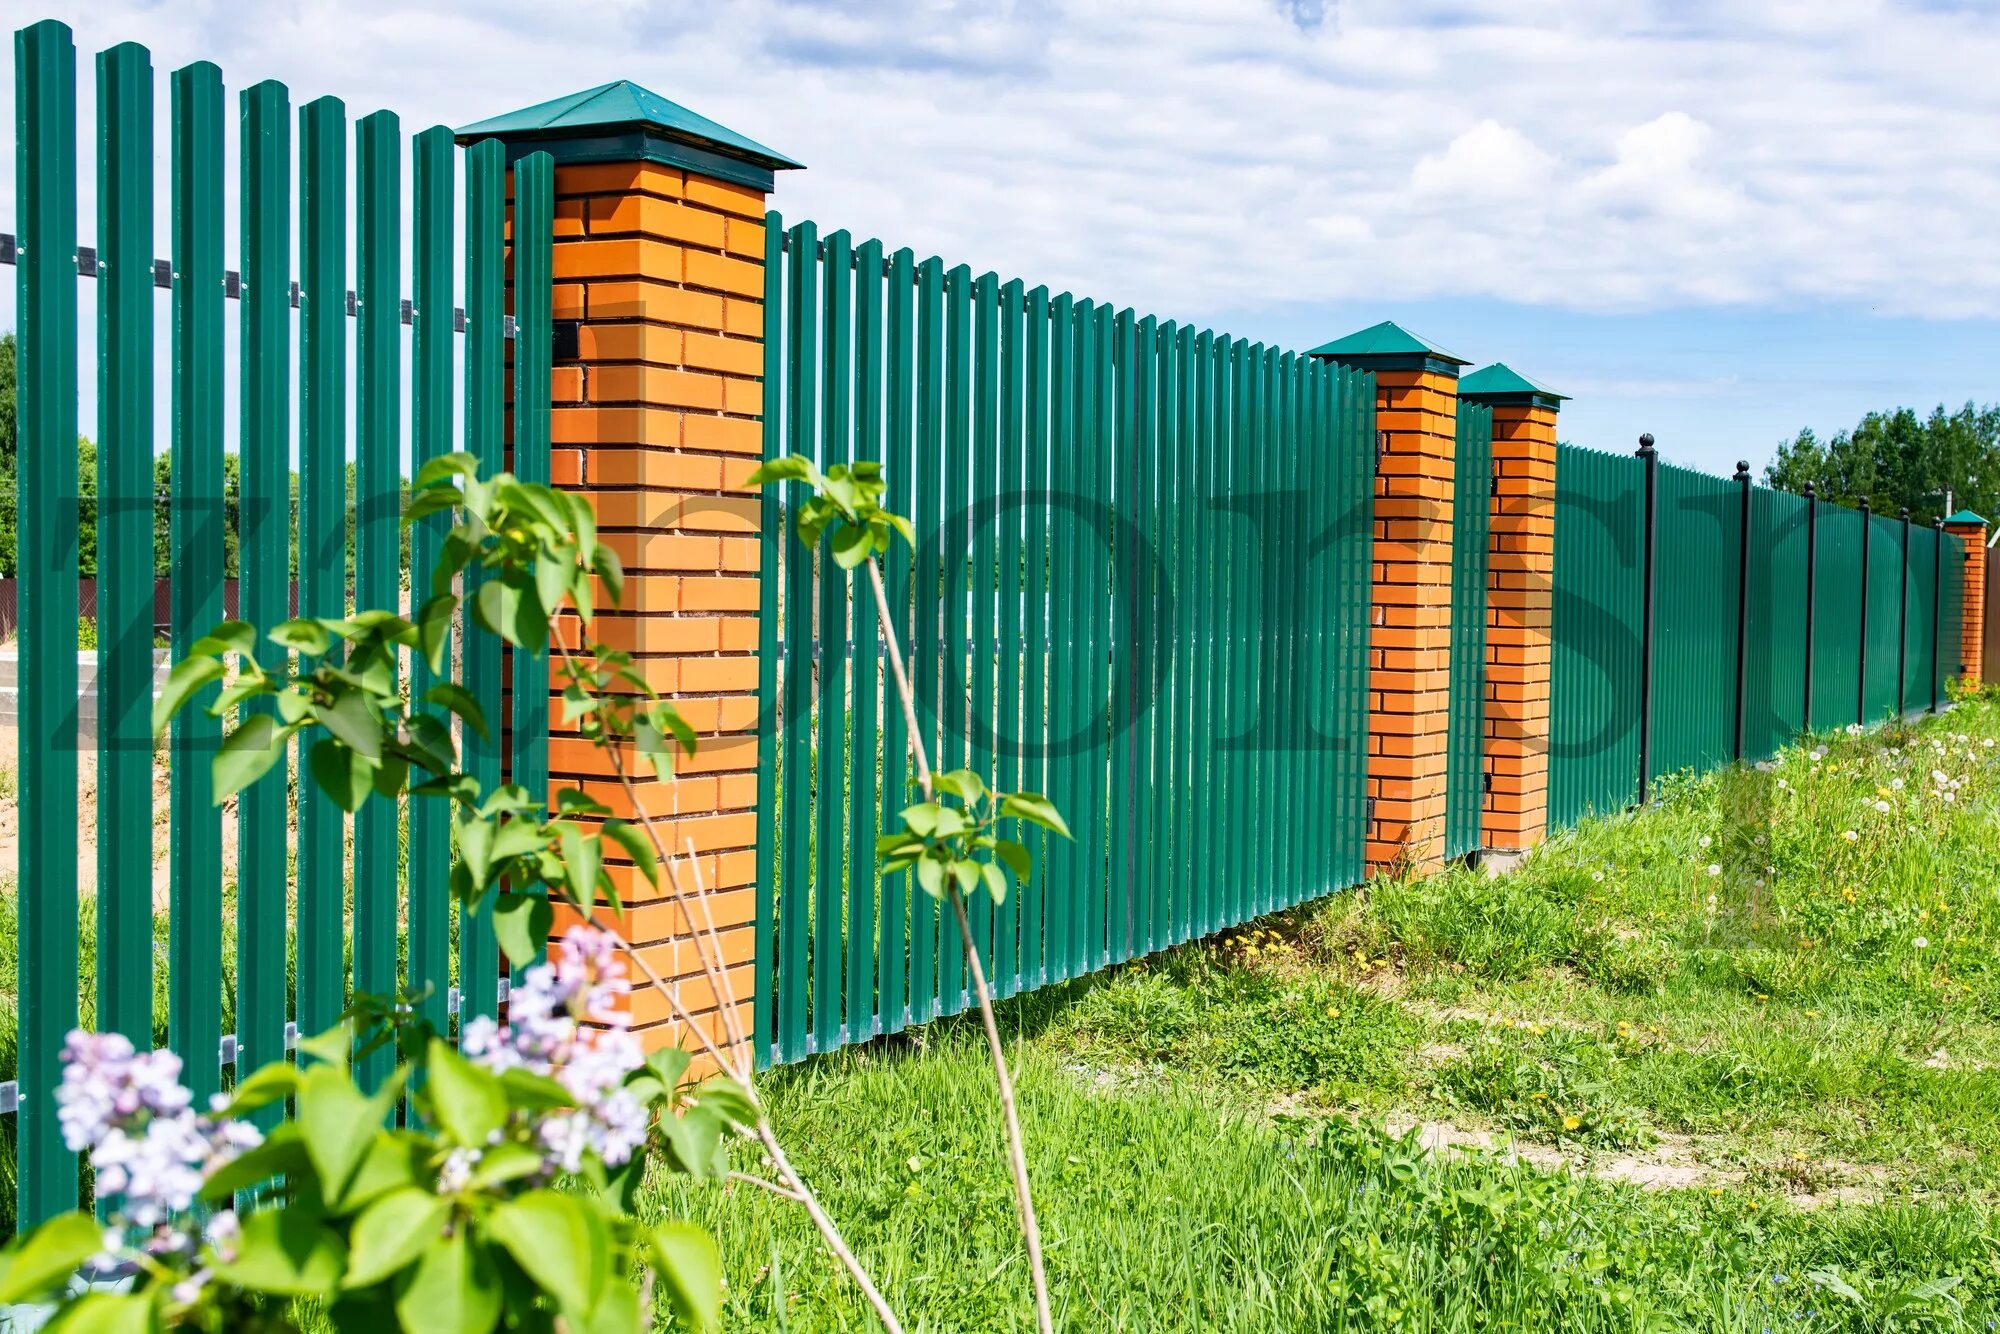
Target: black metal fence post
(1903,623)
(1742,608)
(1861,675)
(1812,579)
(1652,461)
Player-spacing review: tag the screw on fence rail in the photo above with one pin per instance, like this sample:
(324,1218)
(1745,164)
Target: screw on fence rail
(1903,620)
(1937,608)
(1742,602)
(1651,458)
(1812,559)
(1861,672)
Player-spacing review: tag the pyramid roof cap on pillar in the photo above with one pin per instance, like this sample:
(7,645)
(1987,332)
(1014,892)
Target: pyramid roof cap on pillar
(1502,384)
(1388,346)
(1963,516)
(622,122)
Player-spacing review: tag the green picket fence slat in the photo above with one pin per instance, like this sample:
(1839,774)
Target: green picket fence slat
(196,545)
(830,774)
(1465,761)
(533,247)
(378,553)
(45,296)
(433,241)
(125,542)
(484,377)
(264,544)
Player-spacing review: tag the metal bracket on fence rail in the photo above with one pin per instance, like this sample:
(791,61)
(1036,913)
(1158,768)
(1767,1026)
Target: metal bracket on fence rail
(88,265)
(226,1047)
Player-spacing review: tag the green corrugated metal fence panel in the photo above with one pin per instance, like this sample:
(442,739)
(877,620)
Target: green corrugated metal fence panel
(205,978)
(1695,620)
(1837,617)
(1465,758)
(1597,604)
(1921,683)
(1774,693)
(1135,542)
(1953,554)
(1884,660)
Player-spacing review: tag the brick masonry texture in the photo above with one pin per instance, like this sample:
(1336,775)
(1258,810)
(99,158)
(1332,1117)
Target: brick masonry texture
(656,420)
(1520,563)
(1972,623)
(1410,645)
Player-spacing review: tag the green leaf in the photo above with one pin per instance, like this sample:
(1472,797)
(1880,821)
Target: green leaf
(391,1233)
(557,1242)
(582,857)
(395,1159)
(1036,809)
(531,1092)
(48,1257)
(453,1289)
(522,922)
(467,1102)
(267,1084)
(355,721)
(434,628)
(301,634)
(455,697)
(692,1270)
(1015,857)
(474,836)
(188,675)
(636,846)
(922,818)
(439,471)
(338,1123)
(288,1252)
(670,1064)
(238,637)
(281,1154)
(930,876)
(725,1097)
(505,1162)
(996,883)
(851,546)
(791,468)
(342,773)
(247,754)
(105,1313)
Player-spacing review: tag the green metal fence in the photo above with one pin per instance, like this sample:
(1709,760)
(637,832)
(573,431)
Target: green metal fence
(1769,613)
(1471,528)
(1141,585)
(317,917)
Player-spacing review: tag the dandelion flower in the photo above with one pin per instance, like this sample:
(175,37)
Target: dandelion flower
(1572,1122)
(1922,942)
(1850,835)
(1706,840)
(1882,807)
(1713,869)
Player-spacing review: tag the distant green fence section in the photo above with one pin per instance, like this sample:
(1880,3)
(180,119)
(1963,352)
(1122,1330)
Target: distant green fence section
(1141,585)
(314,922)
(1770,614)
(1471,530)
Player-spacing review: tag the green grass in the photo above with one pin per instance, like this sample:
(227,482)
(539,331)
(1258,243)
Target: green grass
(1809,1092)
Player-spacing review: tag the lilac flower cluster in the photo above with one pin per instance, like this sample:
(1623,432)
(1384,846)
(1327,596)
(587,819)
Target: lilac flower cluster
(149,1148)
(567,1020)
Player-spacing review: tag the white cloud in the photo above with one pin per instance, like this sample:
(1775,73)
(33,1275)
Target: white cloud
(1194,155)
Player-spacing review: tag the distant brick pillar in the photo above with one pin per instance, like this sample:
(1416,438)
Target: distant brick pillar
(658,399)
(1416,412)
(1970,529)
(1520,568)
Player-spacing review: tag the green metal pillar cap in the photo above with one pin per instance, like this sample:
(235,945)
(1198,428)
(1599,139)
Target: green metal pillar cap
(1965,517)
(622,122)
(1501,384)
(1388,346)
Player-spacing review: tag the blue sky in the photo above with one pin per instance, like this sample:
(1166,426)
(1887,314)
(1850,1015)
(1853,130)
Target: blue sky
(1714,221)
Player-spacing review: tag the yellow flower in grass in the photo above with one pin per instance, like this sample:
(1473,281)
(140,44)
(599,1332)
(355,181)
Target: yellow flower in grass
(1572,1122)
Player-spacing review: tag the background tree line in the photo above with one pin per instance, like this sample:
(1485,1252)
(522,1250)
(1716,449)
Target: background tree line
(163,467)
(1897,459)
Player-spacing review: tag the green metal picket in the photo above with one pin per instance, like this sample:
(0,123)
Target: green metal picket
(1101,604)
(1471,524)
(201,973)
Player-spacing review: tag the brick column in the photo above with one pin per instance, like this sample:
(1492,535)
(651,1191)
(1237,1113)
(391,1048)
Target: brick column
(1970,529)
(1409,653)
(1520,568)
(658,398)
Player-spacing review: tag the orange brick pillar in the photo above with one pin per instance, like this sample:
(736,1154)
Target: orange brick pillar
(1970,529)
(658,400)
(1520,569)
(1409,652)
